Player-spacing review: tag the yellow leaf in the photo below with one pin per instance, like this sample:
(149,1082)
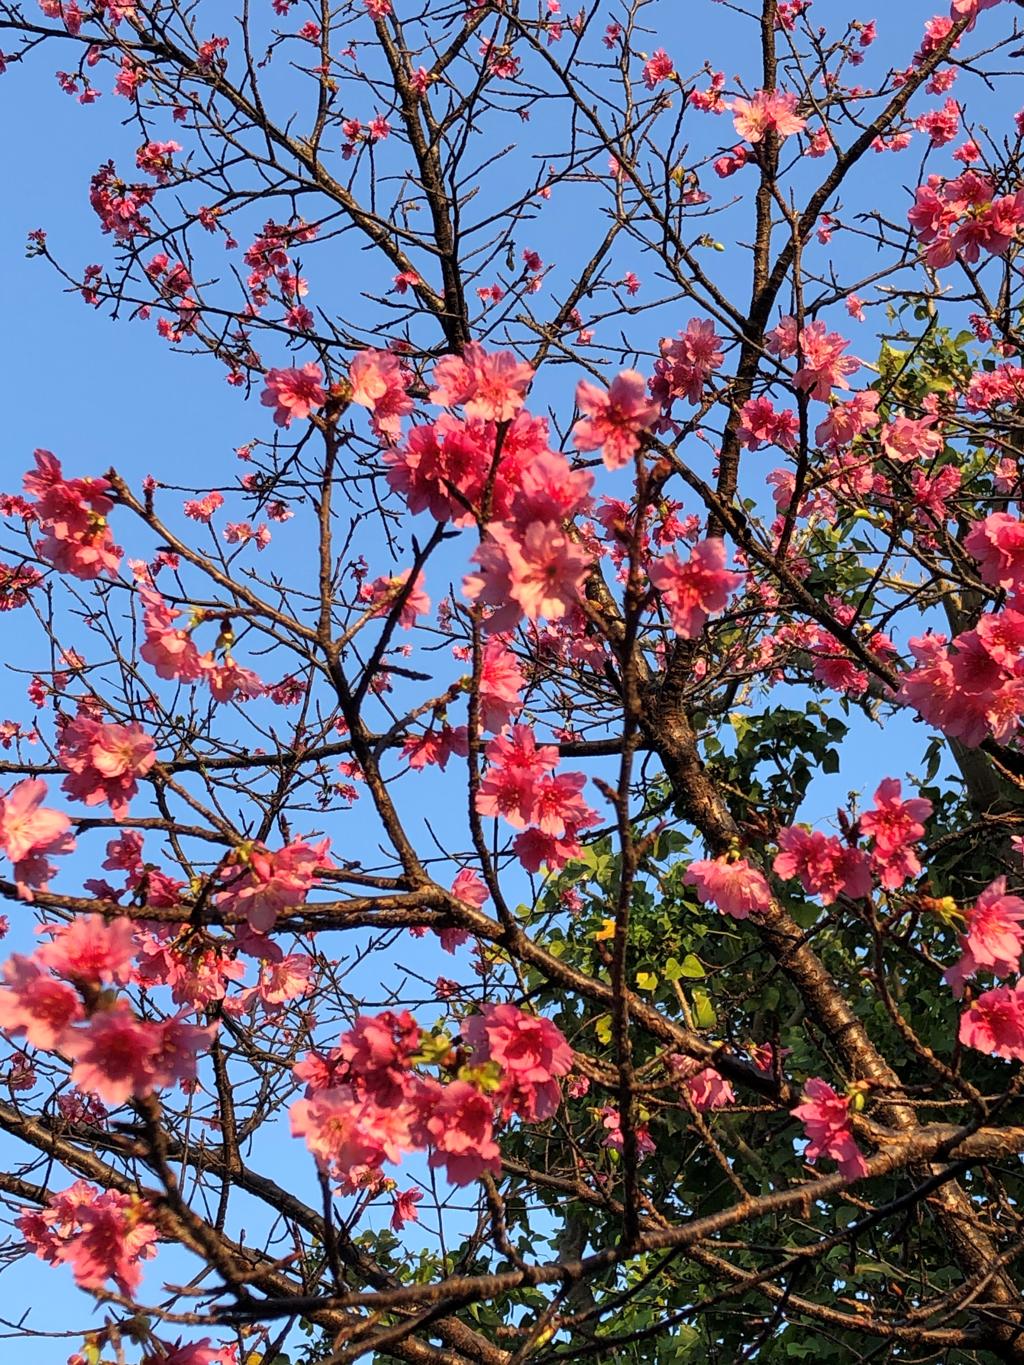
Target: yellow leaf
(607,930)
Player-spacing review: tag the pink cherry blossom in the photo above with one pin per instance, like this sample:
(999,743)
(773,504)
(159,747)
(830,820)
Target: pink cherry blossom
(193,1353)
(72,513)
(36,1005)
(537,573)
(227,679)
(823,367)
(488,385)
(379,382)
(826,1119)
(531,1052)
(993,939)
(91,950)
(350,1133)
(119,1056)
(459,1127)
(768,111)
(404,1210)
(895,824)
(378,1050)
(657,68)
(611,1121)
(515,766)
(906,439)
(687,363)
(501,682)
(692,591)
(994,1023)
(614,417)
(384,592)
(707,1088)
(997,543)
(436,747)
(294,393)
(469,887)
(761,425)
(734,886)
(101,1235)
(549,490)
(169,649)
(104,761)
(261,885)
(26,825)
(826,867)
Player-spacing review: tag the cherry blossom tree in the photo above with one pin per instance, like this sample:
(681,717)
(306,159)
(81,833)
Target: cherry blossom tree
(524,857)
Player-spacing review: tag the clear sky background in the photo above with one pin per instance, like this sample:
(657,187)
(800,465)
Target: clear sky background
(99,392)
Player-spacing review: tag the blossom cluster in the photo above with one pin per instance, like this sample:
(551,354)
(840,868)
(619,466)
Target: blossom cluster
(366,1104)
(102,1235)
(972,687)
(61,998)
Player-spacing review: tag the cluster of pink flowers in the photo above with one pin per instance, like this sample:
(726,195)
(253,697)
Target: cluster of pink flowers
(687,363)
(657,68)
(706,1087)
(615,417)
(827,867)
(520,784)
(436,746)
(530,564)
(997,543)
(445,467)
(103,761)
(823,366)
(172,652)
(16,582)
(826,1119)
(379,382)
(964,217)
(994,1023)
(118,206)
(56,999)
(732,884)
(531,1055)
(501,685)
(260,884)
(611,1122)
(976,688)
(488,385)
(189,1353)
(846,421)
(101,1235)
(119,1056)
(761,425)
(993,939)
(991,388)
(768,111)
(30,833)
(72,513)
(691,592)
(384,592)
(366,1105)
(895,825)
(294,393)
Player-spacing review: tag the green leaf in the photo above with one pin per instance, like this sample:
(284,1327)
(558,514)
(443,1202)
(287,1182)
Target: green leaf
(689,967)
(704,1015)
